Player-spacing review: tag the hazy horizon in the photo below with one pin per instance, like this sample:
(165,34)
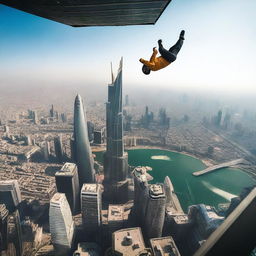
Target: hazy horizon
(218,55)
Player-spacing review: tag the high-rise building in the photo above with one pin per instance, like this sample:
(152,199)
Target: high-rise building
(126,100)
(67,183)
(10,194)
(3,227)
(52,112)
(59,148)
(35,117)
(14,222)
(63,117)
(115,159)
(172,201)
(57,115)
(130,242)
(46,150)
(155,212)
(205,219)
(28,140)
(82,149)
(6,129)
(164,246)
(115,217)
(141,192)
(91,205)
(99,136)
(90,127)
(72,149)
(61,224)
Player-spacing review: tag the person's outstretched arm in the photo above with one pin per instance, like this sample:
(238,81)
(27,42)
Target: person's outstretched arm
(153,57)
(151,62)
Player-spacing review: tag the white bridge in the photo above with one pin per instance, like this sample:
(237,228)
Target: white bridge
(219,166)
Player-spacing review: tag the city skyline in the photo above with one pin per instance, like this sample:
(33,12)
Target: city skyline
(173,213)
(218,52)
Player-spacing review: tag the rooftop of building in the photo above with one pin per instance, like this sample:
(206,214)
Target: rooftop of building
(156,191)
(58,198)
(181,219)
(5,183)
(90,188)
(164,246)
(67,169)
(141,172)
(128,241)
(115,212)
(206,212)
(211,212)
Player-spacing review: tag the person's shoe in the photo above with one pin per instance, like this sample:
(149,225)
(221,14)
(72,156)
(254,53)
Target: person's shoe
(182,33)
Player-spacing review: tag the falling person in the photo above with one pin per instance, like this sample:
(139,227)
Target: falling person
(167,57)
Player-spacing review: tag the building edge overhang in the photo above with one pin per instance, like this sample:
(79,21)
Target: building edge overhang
(64,17)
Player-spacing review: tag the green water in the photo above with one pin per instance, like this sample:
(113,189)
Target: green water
(211,189)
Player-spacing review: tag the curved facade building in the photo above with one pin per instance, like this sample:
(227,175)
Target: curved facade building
(82,150)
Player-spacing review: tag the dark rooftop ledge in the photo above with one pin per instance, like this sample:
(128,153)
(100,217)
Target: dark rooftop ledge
(84,13)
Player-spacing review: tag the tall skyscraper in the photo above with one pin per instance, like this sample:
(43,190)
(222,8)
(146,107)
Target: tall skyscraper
(61,224)
(172,201)
(141,192)
(3,227)
(115,159)
(82,149)
(52,112)
(91,205)
(126,100)
(63,117)
(58,148)
(10,194)
(72,149)
(67,182)
(155,212)
(98,136)
(17,234)
(35,117)
(46,150)
(90,127)
(28,140)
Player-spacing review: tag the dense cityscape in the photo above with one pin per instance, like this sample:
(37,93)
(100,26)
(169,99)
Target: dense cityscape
(57,199)
(148,154)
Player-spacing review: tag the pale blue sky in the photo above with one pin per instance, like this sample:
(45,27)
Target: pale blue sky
(219,52)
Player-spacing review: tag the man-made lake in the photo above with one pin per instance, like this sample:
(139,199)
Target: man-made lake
(211,189)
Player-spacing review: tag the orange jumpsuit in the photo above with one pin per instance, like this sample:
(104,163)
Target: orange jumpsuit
(155,63)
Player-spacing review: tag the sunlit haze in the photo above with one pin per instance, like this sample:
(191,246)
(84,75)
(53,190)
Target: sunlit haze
(219,51)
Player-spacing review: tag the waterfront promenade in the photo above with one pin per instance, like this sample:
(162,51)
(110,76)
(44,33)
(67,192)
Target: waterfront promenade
(219,166)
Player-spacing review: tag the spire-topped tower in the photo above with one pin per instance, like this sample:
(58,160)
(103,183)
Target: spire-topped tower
(115,159)
(82,150)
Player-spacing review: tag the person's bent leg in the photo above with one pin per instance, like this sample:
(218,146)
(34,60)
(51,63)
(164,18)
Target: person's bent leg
(176,48)
(169,56)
